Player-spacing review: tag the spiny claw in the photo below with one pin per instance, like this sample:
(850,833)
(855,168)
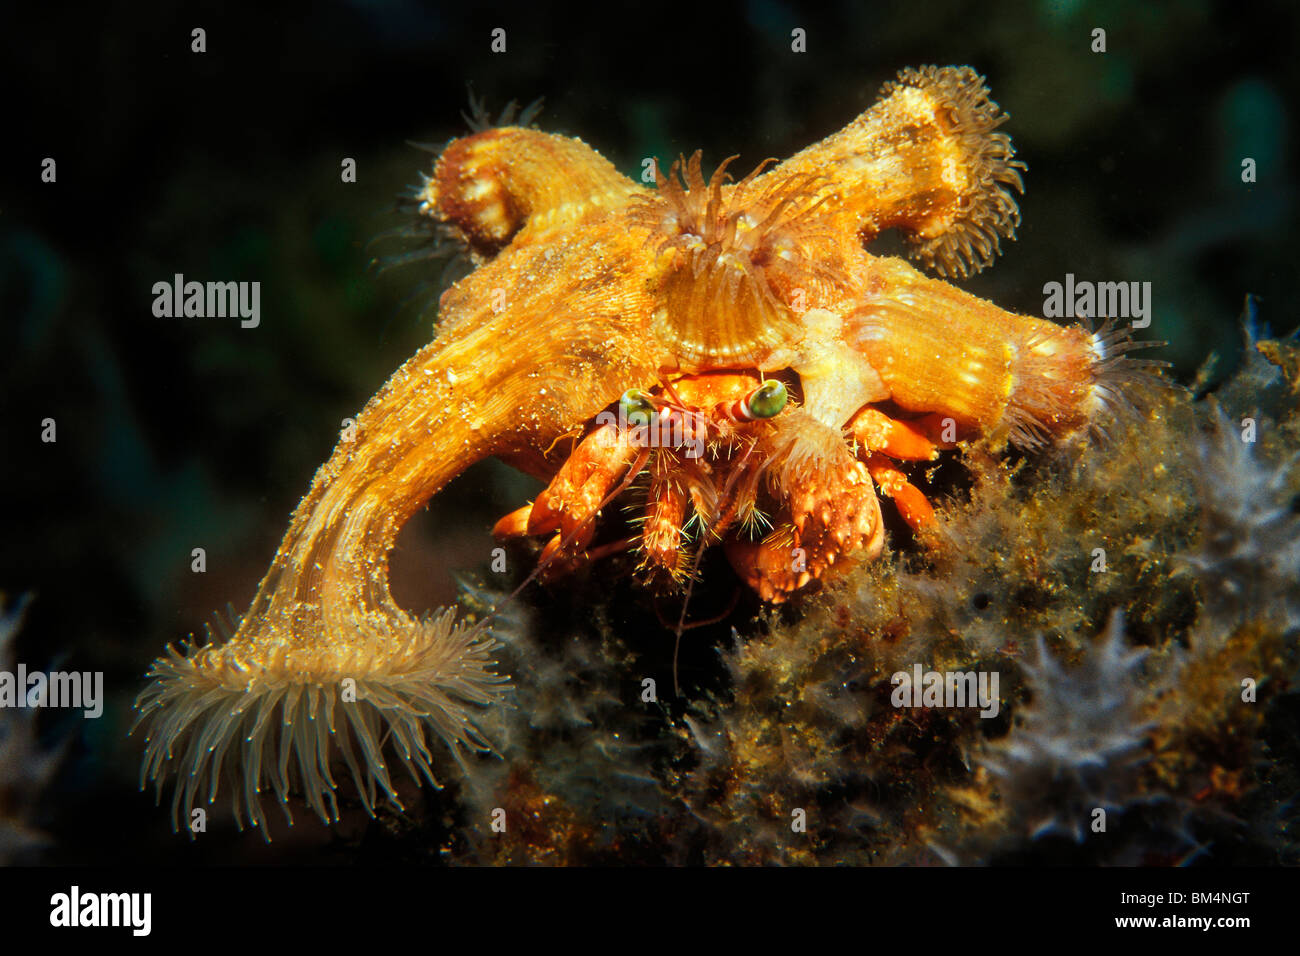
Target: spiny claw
(769,566)
(836,516)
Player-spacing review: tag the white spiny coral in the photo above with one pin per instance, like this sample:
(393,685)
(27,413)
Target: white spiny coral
(1248,557)
(1078,742)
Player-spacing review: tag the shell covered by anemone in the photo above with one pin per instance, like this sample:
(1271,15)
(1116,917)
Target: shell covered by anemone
(586,284)
(736,265)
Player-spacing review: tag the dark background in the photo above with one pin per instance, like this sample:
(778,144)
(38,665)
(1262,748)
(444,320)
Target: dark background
(181,433)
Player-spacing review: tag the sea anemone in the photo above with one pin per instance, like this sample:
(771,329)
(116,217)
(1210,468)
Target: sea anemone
(1055,380)
(273,719)
(985,210)
(731,256)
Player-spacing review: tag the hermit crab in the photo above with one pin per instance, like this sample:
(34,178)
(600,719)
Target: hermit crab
(717,446)
(791,368)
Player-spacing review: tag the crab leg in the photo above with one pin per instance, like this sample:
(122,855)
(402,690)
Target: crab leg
(575,496)
(661,535)
(877,432)
(912,505)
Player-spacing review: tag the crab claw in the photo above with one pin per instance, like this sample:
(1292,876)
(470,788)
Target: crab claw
(829,494)
(571,502)
(836,514)
(771,567)
(833,512)
(513,525)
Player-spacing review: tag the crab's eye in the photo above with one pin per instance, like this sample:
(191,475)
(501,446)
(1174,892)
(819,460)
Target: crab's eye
(767,400)
(637,407)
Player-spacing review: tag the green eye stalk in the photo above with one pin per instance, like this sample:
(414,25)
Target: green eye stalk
(637,407)
(766,401)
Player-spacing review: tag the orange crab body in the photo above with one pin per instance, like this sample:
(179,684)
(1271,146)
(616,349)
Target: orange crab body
(706,453)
